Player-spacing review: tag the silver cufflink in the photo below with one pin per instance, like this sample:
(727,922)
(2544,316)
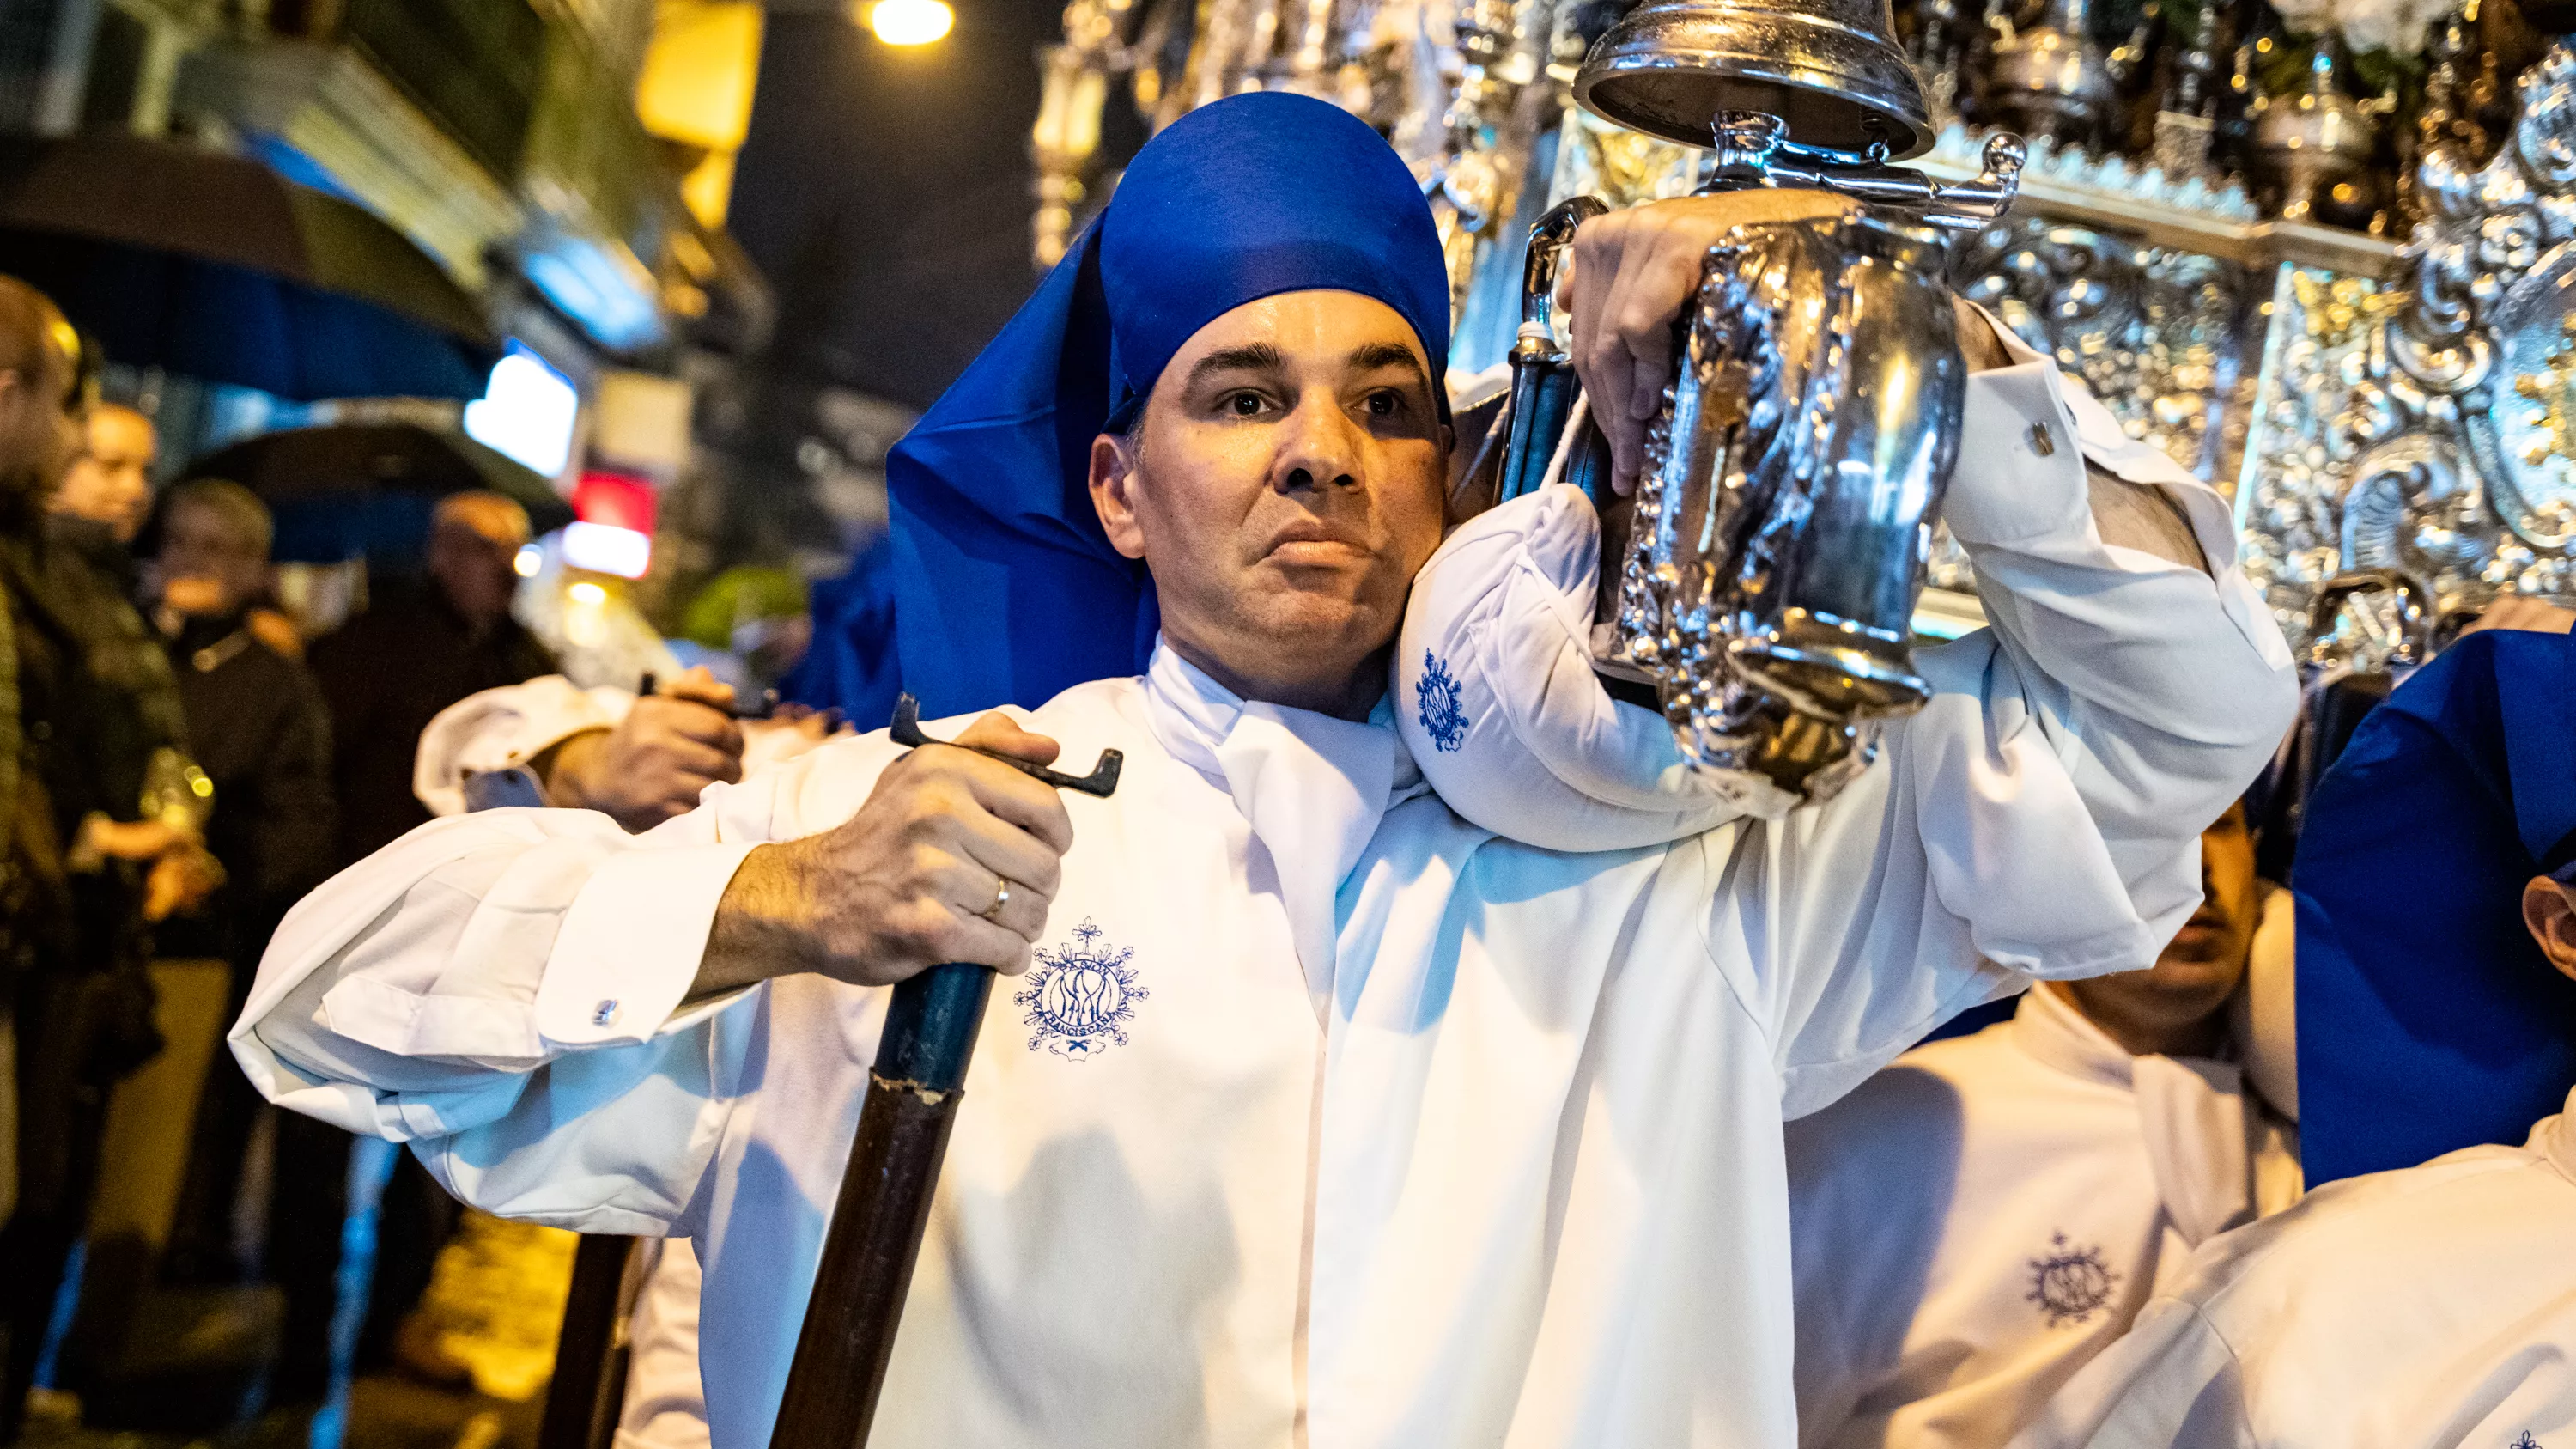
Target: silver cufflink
(604,1014)
(2041,442)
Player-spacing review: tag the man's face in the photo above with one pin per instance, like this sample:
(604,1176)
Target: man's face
(1284,487)
(40,422)
(2206,959)
(473,570)
(207,567)
(110,482)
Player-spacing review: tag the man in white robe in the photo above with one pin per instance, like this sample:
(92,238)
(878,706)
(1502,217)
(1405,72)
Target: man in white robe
(2423,1306)
(1318,1115)
(1977,1222)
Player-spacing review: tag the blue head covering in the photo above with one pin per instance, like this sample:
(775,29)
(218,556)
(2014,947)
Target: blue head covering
(2428,1020)
(1007,590)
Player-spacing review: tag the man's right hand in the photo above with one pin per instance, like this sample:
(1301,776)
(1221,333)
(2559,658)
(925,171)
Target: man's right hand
(1630,275)
(908,882)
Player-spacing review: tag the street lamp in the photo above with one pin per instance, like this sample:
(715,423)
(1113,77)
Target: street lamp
(910,22)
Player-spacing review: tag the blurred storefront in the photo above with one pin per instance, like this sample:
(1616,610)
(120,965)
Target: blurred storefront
(567,163)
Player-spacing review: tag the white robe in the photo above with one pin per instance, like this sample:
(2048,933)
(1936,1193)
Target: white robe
(1974,1224)
(1345,1123)
(2433,1306)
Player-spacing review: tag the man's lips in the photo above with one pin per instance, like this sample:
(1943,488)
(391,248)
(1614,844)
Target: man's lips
(2199,936)
(1313,544)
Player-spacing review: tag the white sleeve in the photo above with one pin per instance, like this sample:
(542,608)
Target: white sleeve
(503,989)
(2041,815)
(495,729)
(2171,1383)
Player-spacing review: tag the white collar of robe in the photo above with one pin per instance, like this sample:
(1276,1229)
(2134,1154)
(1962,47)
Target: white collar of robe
(1313,788)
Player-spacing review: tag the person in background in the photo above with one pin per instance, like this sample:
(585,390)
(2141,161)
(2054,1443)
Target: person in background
(388,672)
(2424,1292)
(263,737)
(385,675)
(90,726)
(110,484)
(1974,1224)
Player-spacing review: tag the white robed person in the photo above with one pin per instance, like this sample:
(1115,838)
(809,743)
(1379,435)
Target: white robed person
(1973,1225)
(2424,1292)
(1313,1111)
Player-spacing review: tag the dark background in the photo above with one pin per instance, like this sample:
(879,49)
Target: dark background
(885,193)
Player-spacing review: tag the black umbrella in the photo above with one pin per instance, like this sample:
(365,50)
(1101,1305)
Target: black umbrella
(217,267)
(369,487)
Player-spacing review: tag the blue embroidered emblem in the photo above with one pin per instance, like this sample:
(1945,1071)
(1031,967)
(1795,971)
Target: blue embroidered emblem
(2525,1442)
(2071,1284)
(1080,997)
(1437,698)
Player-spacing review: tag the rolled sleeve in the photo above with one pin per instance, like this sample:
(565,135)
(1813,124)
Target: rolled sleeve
(496,729)
(2040,815)
(630,944)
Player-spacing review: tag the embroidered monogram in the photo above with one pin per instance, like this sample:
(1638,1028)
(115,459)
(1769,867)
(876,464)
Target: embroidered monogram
(1436,698)
(1080,997)
(2070,1284)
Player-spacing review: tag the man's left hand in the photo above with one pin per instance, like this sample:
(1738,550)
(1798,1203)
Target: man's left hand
(1632,272)
(671,745)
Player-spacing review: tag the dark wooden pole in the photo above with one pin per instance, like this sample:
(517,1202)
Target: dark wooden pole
(884,1205)
(589,1386)
(884,1208)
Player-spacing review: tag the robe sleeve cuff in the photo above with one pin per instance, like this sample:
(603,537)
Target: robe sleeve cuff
(631,943)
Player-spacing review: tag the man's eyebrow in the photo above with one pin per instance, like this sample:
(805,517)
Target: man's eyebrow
(1253,357)
(1389,354)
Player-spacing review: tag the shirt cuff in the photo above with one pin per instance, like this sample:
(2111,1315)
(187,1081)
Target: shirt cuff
(2021,467)
(631,944)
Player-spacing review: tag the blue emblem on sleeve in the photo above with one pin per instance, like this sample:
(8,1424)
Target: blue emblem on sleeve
(1080,997)
(1436,698)
(2070,1284)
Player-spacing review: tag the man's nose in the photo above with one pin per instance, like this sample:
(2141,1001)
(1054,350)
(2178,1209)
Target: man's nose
(1320,448)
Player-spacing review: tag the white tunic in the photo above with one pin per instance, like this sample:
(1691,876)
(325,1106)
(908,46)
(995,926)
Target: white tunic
(1335,1120)
(2433,1306)
(1975,1223)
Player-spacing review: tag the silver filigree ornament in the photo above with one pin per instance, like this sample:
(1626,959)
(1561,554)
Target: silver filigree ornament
(2430,426)
(2153,331)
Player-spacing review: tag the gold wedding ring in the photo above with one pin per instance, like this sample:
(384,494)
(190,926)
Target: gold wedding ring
(1001,897)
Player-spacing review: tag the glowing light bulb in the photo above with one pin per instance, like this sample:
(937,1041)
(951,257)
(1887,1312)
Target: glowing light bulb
(910,22)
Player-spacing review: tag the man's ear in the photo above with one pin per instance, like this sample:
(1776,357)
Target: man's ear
(1113,493)
(2551,919)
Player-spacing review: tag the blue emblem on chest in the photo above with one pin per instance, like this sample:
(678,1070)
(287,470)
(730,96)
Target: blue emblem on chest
(1080,997)
(1436,700)
(2070,1284)
(2525,1442)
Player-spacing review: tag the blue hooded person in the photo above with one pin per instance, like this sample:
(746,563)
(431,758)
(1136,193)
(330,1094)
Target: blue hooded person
(1305,1111)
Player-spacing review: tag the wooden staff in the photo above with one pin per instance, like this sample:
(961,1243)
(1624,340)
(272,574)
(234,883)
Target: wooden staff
(884,1206)
(589,1386)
